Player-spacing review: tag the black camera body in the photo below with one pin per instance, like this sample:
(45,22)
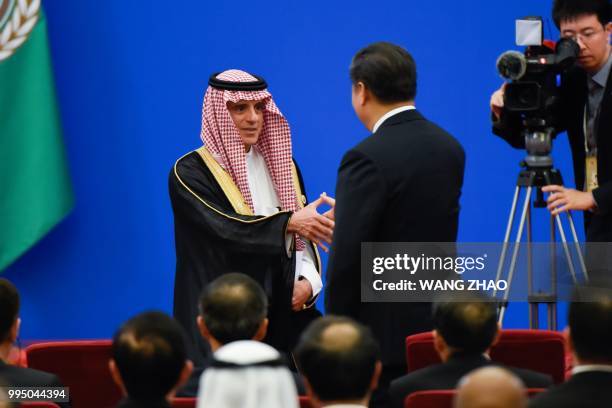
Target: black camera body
(534,88)
(533,92)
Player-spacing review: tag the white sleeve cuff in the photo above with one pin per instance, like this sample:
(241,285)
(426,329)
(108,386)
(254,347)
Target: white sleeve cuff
(309,271)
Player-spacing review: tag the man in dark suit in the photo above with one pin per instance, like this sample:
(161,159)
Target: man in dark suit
(233,307)
(585,112)
(149,360)
(340,360)
(464,331)
(400,184)
(590,342)
(10,375)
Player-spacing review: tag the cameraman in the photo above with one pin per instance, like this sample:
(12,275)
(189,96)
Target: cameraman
(585,113)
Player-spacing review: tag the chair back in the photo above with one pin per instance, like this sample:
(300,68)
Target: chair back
(82,366)
(184,402)
(430,399)
(538,350)
(305,402)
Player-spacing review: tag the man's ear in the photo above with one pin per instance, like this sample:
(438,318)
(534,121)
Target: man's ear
(310,392)
(376,376)
(114,370)
(362,93)
(203,329)
(14,332)
(184,376)
(569,343)
(262,330)
(497,336)
(439,344)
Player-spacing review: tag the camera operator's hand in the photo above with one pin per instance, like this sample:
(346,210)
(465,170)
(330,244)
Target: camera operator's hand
(565,199)
(497,101)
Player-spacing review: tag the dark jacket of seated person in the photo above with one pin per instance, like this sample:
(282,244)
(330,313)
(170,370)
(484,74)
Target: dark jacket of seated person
(589,338)
(14,376)
(132,403)
(446,375)
(464,330)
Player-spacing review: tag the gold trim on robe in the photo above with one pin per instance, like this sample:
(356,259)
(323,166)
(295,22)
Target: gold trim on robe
(226,182)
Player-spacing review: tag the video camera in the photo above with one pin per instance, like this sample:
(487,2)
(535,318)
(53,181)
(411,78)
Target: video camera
(533,92)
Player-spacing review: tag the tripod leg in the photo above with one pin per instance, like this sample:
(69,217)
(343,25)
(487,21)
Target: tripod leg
(552,307)
(577,244)
(533,307)
(568,257)
(504,251)
(552,316)
(515,250)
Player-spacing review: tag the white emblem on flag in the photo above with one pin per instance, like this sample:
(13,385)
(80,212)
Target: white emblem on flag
(17,19)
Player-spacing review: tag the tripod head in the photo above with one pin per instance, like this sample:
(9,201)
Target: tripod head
(538,143)
(538,177)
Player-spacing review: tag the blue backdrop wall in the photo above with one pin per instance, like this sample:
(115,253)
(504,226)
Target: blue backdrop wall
(130,77)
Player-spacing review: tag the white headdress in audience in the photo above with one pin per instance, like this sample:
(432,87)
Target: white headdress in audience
(247,374)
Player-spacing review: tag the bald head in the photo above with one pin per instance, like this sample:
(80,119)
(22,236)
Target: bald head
(338,357)
(339,337)
(490,387)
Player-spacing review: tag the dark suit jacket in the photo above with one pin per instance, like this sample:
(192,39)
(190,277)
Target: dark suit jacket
(569,117)
(445,376)
(131,403)
(14,376)
(400,184)
(591,389)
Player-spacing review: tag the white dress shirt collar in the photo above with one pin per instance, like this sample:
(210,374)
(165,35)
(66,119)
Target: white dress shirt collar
(387,115)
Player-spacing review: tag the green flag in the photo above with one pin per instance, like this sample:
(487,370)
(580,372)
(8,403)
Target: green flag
(35,191)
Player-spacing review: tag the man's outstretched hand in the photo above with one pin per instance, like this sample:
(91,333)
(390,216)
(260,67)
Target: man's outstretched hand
(308,223)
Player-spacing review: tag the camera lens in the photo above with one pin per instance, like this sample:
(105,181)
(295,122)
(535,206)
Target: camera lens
(511,65)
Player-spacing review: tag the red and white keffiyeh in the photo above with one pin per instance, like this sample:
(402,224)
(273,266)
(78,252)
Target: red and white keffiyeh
(222,139)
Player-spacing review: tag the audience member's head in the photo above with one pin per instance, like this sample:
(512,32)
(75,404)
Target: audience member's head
(490,387)
(149,359)
(247,373)
(383,76)
(9,316)
(468,325)
(233,307)
(590,326)
(339,359)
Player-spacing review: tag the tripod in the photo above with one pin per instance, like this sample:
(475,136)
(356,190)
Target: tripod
(529,179)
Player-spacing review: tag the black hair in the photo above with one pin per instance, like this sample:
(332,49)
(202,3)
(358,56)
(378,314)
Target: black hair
(338,366)
(590,323)
(567,10)
(9,308)
(387,70)
(150,353)
(233,307)
(467,325)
